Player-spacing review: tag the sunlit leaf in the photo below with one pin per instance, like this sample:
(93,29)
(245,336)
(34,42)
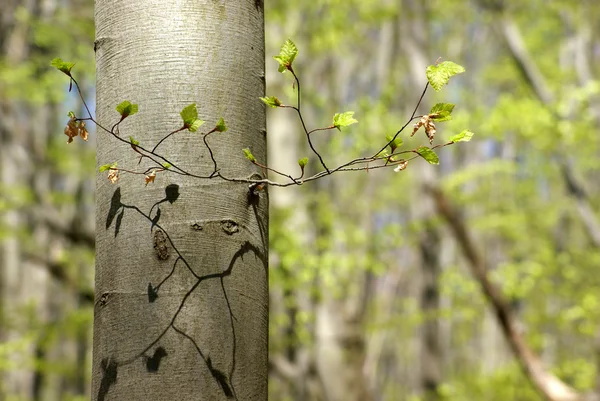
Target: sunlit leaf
(62,66)
(108,166)
(343,119)
(189,115)
(126,108)
(464,136)
(441,112)
(303,162)
(428,154)
(193,127)
(271,101)
(221,127)
(394,143)
(249,155)
(439,75)
(286,56)
(383,154)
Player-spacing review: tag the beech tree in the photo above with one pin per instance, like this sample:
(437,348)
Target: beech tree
(181,308)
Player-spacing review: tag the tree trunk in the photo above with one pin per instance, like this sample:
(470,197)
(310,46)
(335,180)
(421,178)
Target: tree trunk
(181,264)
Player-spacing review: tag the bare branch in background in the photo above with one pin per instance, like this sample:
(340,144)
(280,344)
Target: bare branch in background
(549,385)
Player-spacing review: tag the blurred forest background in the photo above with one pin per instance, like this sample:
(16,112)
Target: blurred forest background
(478,279)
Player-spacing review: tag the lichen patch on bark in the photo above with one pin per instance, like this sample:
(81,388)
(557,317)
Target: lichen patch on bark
(160,245)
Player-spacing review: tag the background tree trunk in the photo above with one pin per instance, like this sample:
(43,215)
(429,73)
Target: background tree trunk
(181,269)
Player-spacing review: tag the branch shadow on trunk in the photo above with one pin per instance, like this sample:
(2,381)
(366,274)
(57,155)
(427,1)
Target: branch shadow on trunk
(110,365)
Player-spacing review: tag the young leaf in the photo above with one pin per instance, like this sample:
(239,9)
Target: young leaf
(249,155)
(189,113)
(441,112)
(343,119)
(193,127)
(166,165)
(303,162)
(221,127)
(271,101)
(428,154)
(464,136)
(396,143)
(133,141)
(439,75)
(62,66)
(71,114)
(126,108)
(286,56)
(105,167)
(383,154)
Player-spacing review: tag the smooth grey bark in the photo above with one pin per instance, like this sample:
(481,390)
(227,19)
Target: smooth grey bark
(181,265)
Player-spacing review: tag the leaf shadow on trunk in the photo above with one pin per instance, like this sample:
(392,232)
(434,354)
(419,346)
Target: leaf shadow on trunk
(110,365)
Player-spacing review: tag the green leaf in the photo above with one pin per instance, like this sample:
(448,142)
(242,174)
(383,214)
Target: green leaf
(71,114)
(343,119)
(396,143)
(464,136)
(108,166)
(126,108)
(286,56)
(166,165)
(193,127)
(428,154)
(221,127)
(271,101)
(439,75)
(441,112)
(62,66)
(249,155)
(189,114)
(133,141)
(383,154)
(104,167)
(303,162)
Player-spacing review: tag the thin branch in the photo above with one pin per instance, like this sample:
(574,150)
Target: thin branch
(412,117)
(297,108)
(171,133)
(154,157)
(320,129)
(212,156)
